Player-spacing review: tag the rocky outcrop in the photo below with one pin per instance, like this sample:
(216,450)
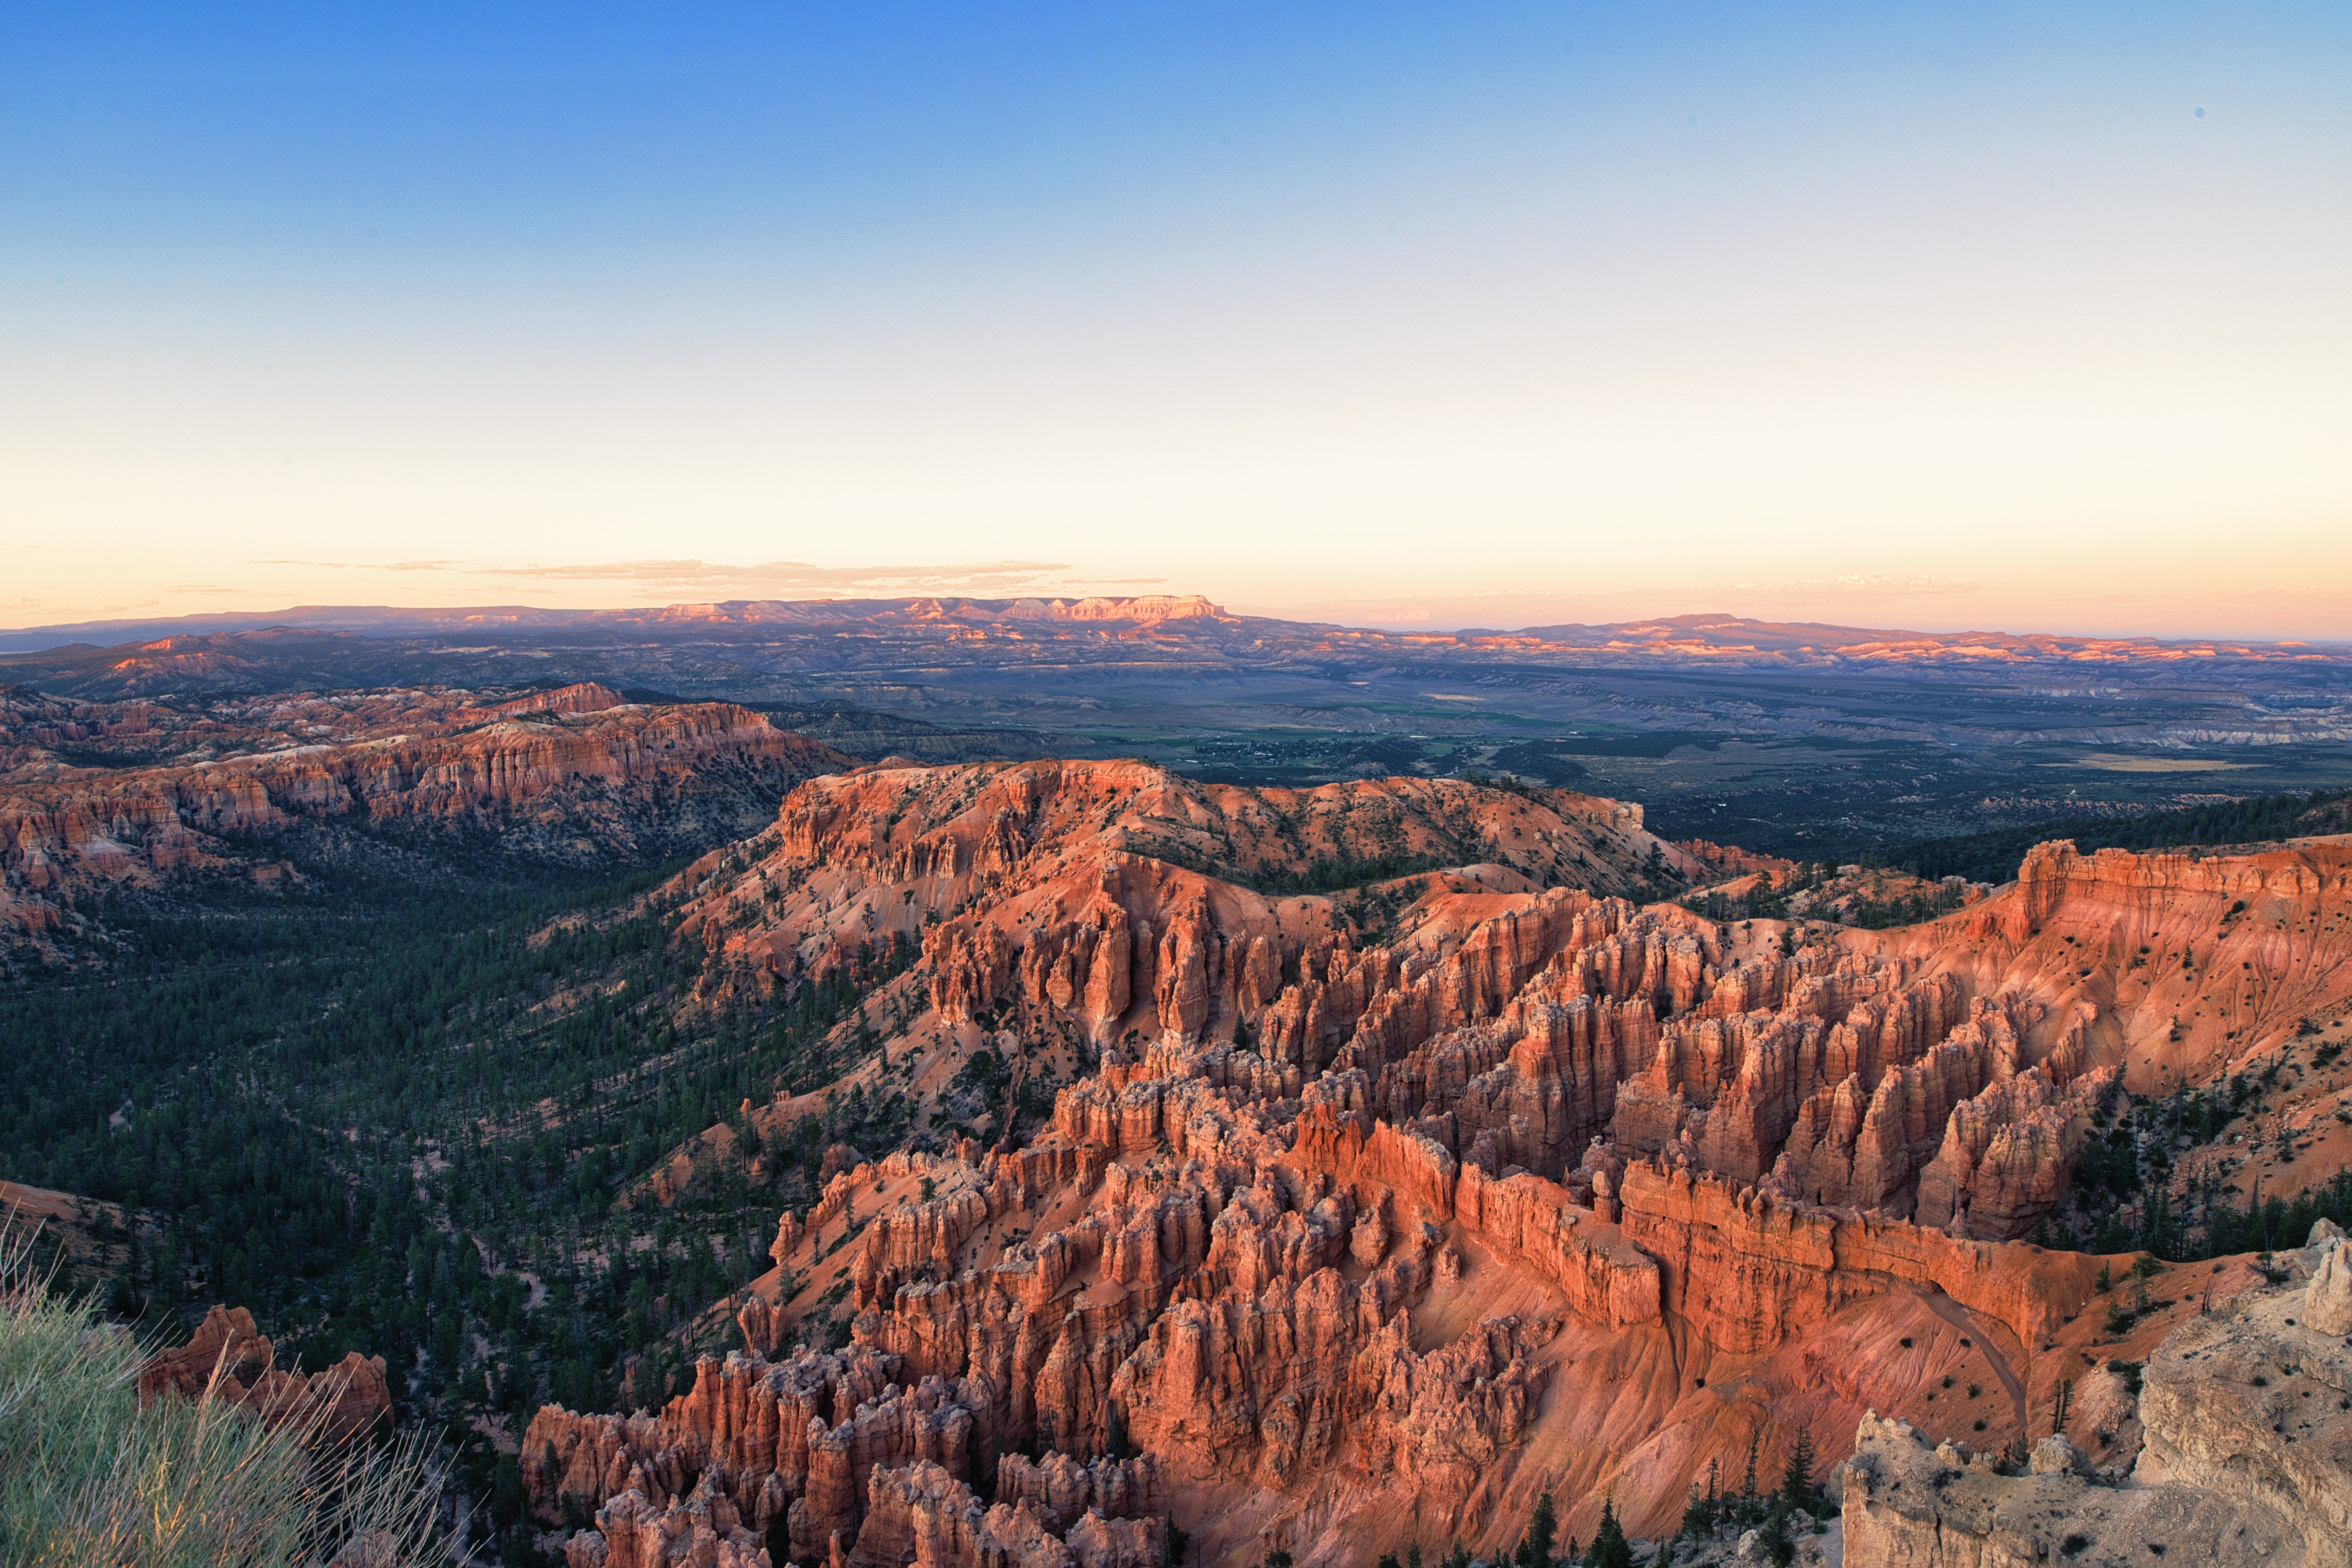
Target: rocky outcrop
(1910,1504)
(1060,1492)
(1366,1229)
(110,794)
(2328,1299)
(1116,894)
(228,1359)
(702,1530)
(2007,1153)
(922,1515)
(2248,1459)
(2166,965)
(2251,1404)
(1751,1272)
(791,1441)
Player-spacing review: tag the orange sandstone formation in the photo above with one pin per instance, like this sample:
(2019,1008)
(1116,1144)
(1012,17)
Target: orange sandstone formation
(1395,1197)
(226,1358)
(100,794)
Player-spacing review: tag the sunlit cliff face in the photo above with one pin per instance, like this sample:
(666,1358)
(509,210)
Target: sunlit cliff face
(1366,1215)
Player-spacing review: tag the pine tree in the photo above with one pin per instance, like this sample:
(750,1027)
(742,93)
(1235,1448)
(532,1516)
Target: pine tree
(1796,1480)
(508,1502)
(1748,1487)
(1543,1532)
(1698,1515)
(1610,1548)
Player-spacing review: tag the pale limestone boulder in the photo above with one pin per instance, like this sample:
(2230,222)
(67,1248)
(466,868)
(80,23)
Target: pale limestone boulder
(2328,1299)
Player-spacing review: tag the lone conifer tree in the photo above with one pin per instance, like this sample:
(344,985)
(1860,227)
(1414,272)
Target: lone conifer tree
(1796,1480)
(1698,1515)
(1543,1533)
(1610,1548)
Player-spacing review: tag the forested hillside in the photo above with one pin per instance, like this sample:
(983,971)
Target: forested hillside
(1993,855)
(388,1117)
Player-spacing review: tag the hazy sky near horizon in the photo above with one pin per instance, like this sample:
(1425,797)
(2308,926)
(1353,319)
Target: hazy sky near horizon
(2033,317)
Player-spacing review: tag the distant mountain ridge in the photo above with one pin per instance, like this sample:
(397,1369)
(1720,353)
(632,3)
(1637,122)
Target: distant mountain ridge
(1697,635)
(1114,677)
(386,620)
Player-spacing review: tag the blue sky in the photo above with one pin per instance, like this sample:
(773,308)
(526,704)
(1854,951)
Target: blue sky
(1932,316)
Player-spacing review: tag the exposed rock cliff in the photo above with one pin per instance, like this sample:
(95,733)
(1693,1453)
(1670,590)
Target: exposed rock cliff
(2248,1459)
(227,1358)
(1385,1207)
(132,793)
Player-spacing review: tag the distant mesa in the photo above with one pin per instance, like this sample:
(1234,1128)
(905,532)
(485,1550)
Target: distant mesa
(384,620)
(1718,640)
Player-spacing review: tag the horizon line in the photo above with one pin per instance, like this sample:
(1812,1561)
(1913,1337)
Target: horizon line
(292,617)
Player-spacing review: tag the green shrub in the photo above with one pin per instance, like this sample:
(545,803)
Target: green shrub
(89,1475)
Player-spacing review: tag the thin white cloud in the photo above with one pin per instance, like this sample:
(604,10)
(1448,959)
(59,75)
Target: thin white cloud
(768,579)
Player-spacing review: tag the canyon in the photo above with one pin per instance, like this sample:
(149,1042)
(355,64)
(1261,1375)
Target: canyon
(1145,1166)
(163,795)
(1399,1151)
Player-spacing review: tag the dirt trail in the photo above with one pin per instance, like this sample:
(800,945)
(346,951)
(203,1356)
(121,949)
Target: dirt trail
(1960,1318)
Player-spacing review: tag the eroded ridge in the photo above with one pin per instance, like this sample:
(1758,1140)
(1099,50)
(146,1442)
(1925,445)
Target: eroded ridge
(1381,1210)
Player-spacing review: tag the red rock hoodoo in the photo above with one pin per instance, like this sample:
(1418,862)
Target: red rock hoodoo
(228,1359)
(1389,1198)
(128,794)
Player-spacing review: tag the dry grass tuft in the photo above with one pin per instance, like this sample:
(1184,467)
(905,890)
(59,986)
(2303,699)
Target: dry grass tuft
(89,1478)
